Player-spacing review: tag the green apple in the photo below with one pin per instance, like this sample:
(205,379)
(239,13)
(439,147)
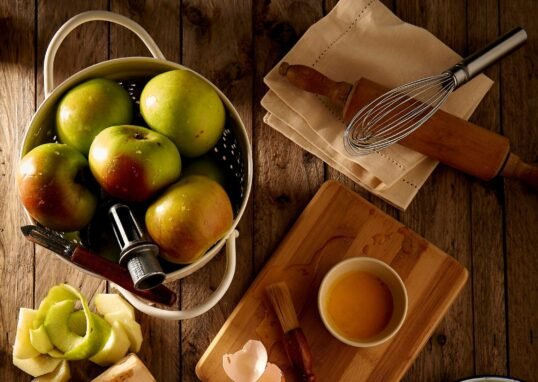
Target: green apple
(188,218)
(89,108)
(40,340)
(62,373)
(37,366)
(205,166)
(132,163)
(50,182)
(22,348)
(131,327)
(185,108)
(115,347)
(111,303)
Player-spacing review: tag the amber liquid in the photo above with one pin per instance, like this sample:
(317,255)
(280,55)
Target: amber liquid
(359,305)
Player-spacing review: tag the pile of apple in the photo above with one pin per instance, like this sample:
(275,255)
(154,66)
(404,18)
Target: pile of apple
(55,333)
(183,117)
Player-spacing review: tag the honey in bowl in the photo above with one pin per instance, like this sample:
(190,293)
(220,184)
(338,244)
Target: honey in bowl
(362,301)
(359,305)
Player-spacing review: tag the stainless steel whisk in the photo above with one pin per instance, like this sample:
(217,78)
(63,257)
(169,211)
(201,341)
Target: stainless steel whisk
(397,113)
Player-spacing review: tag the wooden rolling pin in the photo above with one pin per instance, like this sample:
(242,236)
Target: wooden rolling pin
(450,140)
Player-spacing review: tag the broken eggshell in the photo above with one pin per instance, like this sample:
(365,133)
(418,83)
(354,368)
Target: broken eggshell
(250,364)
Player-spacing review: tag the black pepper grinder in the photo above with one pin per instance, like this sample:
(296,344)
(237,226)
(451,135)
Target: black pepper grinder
(138,254)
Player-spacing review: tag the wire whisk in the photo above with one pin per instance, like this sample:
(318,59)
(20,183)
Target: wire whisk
(397,113)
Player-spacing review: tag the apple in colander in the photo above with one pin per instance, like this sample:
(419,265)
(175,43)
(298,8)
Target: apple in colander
(56,188)
(185,108)
(188,218)
(90,107)
(133,163)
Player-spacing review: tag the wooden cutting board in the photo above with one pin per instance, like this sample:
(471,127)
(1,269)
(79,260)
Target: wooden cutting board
(338,224)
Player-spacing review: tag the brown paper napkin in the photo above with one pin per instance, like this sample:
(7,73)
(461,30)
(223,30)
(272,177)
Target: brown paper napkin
(362,38)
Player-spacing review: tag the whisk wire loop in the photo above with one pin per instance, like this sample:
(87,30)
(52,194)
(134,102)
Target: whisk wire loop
(397,113)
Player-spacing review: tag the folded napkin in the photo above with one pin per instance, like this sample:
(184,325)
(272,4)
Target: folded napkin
(363,38)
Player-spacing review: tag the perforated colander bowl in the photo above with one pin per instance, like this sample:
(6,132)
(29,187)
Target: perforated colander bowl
(233,151)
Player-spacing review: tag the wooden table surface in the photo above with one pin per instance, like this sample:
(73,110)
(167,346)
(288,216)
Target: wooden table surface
(491,228)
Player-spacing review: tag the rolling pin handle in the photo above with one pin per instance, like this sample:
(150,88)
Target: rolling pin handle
(518,169)
(309,79)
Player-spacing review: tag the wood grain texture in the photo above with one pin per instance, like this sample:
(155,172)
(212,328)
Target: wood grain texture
(161,351)
(217,42)
(351,227)
(489,314)
(286,176)
(17,104)
(519,89)
(441,213)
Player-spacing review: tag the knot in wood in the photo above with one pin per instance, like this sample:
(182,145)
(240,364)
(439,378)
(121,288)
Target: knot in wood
(196,16)
(284,34)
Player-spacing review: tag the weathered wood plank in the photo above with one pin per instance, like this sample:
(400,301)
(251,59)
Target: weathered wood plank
(74,54)
(441,213)
(161,349)
(17,104)
(331,173)
(489,312)
(286,176)
(519,87)
(217,42)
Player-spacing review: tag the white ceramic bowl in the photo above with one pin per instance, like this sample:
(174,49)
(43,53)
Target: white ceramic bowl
(41,130)
(387,275)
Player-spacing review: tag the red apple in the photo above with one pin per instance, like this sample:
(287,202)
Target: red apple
(188,218)
(49,186)
(132,163)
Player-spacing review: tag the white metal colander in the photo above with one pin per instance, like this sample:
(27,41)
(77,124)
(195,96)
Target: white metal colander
(233,151)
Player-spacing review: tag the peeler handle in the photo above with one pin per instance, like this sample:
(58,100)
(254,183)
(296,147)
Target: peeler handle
(477,62)
(82,18)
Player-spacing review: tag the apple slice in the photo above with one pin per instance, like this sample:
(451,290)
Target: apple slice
(111,302)
(55,353)
(37,366)
(115,347)
(77,322)
(57,328)
(56,294)
(75,347)
(129,368)
(22,348)
(131,327)
(62,373)
(40,340)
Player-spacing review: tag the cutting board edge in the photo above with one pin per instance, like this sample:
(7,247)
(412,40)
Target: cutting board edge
(451,299)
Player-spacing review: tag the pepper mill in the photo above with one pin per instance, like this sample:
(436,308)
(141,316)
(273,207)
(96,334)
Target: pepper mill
(138,254)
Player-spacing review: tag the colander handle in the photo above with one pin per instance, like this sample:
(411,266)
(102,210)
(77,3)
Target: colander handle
(200,309)
(82,18)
